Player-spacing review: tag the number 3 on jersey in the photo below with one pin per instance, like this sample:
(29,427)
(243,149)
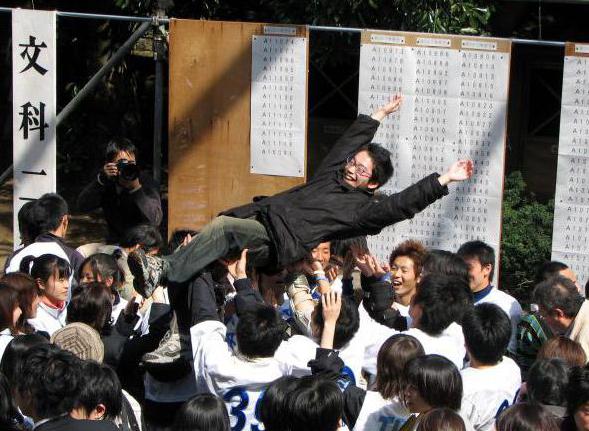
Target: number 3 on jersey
(238,402)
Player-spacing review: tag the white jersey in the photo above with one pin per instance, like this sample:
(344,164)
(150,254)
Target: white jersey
(511,307)
(49,319)
(489,391)
(35,249)
(450,343)
(298,350)
(239,381)
(380,414)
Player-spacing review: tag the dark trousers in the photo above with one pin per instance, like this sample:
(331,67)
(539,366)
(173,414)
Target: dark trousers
(222,236)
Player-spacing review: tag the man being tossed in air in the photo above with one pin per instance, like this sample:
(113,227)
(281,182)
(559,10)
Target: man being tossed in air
(338,202)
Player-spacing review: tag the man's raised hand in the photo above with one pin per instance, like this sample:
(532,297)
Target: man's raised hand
(459,171)
(393,106)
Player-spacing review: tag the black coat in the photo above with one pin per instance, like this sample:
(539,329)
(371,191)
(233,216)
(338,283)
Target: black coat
(327,208)
(123,210)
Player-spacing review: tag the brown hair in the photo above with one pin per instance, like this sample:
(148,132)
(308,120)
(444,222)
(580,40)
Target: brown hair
(27,290)
(8,303)
(412,249)
(91,304)
(563,348)
(392,357)
(441,419)
(527,417)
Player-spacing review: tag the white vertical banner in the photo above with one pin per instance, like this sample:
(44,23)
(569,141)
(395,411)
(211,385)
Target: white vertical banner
(33,106)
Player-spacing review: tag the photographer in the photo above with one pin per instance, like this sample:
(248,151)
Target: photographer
(127,196)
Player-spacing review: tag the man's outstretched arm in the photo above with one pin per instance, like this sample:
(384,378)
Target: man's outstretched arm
(360,133)
(387,210)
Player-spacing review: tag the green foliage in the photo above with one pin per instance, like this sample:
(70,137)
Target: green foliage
(527,237)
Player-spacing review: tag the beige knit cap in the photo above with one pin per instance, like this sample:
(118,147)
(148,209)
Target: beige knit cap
(81,340)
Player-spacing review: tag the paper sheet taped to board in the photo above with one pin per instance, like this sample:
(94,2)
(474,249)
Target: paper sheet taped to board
(454,107)
(278,105)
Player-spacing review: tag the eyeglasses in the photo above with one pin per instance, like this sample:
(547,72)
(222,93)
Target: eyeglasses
(361,170)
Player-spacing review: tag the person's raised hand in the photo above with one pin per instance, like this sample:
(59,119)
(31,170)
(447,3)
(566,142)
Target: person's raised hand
(459,171)
(363,263)
(331,303)
(392,106)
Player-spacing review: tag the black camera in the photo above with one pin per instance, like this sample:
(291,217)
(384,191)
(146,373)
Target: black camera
(128,171)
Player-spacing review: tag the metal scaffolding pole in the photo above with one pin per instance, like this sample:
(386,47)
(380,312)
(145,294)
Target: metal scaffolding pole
(94,81)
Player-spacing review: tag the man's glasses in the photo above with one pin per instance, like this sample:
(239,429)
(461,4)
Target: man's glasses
(361,170)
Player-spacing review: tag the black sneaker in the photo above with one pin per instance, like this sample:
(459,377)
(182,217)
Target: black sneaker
(148,272)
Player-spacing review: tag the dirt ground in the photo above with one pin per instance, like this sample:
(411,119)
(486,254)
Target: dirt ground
(83,228)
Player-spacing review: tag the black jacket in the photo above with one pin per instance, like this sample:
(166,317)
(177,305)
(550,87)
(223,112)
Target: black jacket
(66,423)
(122,209)
(327,208)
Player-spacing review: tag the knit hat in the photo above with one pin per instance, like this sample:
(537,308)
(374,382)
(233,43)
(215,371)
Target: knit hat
(81,340)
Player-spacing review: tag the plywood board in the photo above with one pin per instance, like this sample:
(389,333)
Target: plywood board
(209,120)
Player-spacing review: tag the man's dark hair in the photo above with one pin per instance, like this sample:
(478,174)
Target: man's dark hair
(9,414)
(445,263)
(91,304)
(558,292)
(146,235)
(48,212)
(347,323)
(177,237)
(16,351)
(116,145)
(483,252)
(275,403)
(443,299)
(50,379)
(382,167)
(202,412)
(341,247)
(259,331)
(548,270)
(487,330)
(548,382)
(315,404)
(436,379)
(27,226)
(100,386)
(578,390)
(527,417)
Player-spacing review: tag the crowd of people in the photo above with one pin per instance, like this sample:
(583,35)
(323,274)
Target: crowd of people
(277,317)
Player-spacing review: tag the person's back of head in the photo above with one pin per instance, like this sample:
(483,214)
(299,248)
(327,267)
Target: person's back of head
(50,212)
(548,382)
(549,269)
(443,262)
(101,394)
(439,301)
(204,412)
(91,304)
(558,293)
(144,235)
(347,323)
(28,293)
(435,379)
(28,227)
(526,417)
(49,381)
(382,166)
(259,331)
(391,360)
(487,330)
(578,393)
(442,419)
(561,347)
(275,403)
(9,414)
(315,404)
(15,353)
